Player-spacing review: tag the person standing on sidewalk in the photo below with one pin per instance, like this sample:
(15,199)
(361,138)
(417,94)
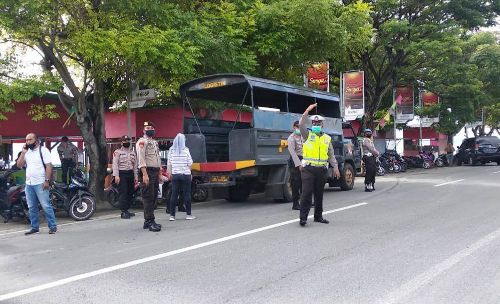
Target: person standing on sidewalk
(294,164)
(149,163)
(38,175)
(449,153)
(125,175)
(370,155)
(179,167)
(317,153)
(68,154)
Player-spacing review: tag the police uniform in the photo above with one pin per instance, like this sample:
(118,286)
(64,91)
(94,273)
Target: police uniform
(317,153)
(295,149)
(69,159)
(125,167)
(148,156)
(369,158)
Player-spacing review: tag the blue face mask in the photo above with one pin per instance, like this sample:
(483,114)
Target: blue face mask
(316,129)
(297,131)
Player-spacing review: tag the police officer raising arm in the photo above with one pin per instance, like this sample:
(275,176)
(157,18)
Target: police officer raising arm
(125,175)
(149,163)
(317,153)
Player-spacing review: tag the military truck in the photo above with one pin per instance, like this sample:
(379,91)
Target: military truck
(238,158)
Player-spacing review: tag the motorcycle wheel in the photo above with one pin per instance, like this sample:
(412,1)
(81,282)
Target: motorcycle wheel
(397,168)
(426,165)
(380,171)
(82,209)
(199,194)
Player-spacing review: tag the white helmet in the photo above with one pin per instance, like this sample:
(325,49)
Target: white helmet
(317,118)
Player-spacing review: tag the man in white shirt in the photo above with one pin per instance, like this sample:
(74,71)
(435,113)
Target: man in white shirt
(38,172)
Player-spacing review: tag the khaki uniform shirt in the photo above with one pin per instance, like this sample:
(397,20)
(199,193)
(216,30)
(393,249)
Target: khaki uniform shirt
(124,159)
(148,153)
(368,146)
(295,148)
(70,152)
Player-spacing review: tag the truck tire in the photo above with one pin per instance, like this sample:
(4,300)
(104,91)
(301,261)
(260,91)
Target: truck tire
(238,193)
(347,178)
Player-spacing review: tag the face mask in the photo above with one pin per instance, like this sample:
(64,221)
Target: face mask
(31,146)
(297,131)
(150,133)
(368,135)
(316,129)
(126,145)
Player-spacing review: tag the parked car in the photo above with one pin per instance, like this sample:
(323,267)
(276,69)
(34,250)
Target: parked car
(483,149)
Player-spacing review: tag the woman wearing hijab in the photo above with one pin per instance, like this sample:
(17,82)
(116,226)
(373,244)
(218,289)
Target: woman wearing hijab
(179,166)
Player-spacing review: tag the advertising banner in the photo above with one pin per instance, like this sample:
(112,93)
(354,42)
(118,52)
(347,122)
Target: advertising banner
(429,99)
(353,94)
(404,104)
(318,77)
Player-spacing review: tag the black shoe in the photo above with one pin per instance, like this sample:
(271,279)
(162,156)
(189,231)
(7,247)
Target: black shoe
(154,227)
(296,207)
(32,231)
(131,213)
(125,215)
(373,187)
(303,223)
(146,224)
(322,221)
(53,230)
(368,190)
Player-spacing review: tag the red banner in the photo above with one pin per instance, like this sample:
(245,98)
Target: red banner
(429,98)
(404,108)
(353,94)
(318,76)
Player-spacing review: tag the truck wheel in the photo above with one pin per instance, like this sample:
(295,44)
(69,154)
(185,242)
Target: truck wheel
(347,178)
(238,193)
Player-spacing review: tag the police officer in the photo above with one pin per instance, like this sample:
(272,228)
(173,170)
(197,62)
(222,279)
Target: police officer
(317,153)
(125,174)
(370,155)
(68,154)
(149,163)
(294,164)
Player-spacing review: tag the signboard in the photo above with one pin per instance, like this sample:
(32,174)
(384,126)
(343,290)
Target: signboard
(429,99)
(353,94)
(404,108)
(139,98)
(318,76)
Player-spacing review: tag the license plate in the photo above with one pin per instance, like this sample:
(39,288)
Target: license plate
(219,178)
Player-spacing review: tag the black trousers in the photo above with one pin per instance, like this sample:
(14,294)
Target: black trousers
(296,183)
(313,182)
(126,189)
(67,166)
(371,169)
(150,192)
(180,182)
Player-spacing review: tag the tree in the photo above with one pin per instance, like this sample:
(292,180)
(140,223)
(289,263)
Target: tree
(96,50)
(399,26)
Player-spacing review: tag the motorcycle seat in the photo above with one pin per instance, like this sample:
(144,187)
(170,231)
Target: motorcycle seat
(60,185)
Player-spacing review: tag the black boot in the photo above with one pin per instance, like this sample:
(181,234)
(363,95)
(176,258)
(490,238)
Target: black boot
(296,206)
(373,186)
(152,225)
(367,188)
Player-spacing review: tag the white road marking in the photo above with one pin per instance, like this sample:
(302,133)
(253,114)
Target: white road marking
(447,183)
(496,172)
(429,275)
(94,273)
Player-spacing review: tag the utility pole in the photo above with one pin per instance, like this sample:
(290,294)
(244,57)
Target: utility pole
(420,118)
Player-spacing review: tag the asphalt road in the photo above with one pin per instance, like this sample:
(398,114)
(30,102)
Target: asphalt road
(429,236)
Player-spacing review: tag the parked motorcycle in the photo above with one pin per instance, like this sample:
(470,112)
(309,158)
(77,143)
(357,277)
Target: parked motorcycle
(427,159)
(380,169)
(74,198)
(12,198)
(441,160)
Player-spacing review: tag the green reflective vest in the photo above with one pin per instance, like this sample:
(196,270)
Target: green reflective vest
(315,149)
